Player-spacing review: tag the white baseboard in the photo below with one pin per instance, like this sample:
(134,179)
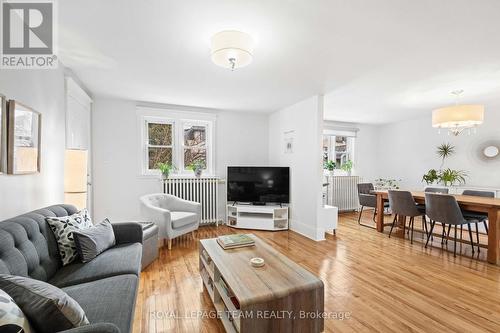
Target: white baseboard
(305,230)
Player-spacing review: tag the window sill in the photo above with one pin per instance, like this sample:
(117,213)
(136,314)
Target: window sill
(176,176)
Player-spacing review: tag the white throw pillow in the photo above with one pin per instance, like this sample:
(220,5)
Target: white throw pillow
(12,319)
(63,228)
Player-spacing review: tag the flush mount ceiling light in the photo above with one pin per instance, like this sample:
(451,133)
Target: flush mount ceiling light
(457,118)
(232,49)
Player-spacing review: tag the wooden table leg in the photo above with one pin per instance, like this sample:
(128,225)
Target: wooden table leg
(380,213)
(402,223)
(494,236)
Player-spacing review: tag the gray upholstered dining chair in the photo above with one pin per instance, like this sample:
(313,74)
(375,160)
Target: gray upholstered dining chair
(480,217)
(173,216)
(403,204)
(445,209)
(367,199)
(441,190)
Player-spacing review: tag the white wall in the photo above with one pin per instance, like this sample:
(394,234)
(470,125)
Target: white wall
(42,90)
(406,150)
(305,119)
(240,138)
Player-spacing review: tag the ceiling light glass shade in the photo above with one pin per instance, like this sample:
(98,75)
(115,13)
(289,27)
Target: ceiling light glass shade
(458,117)
(232,49)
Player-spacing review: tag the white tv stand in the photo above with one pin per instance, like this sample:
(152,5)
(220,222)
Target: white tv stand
(257,217)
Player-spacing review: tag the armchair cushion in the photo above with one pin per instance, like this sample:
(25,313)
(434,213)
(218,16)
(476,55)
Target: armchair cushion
(182,219)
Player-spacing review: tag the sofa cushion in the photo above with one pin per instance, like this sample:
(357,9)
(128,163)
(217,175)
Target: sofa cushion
(93,241)
(28,246)
(110,300)
(48,308)
(182,219)
(63,228)
(120,259)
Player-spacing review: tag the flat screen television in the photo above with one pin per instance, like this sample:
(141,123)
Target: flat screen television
(258,185)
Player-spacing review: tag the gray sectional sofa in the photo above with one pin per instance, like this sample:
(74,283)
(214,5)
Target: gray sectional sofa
(105,287)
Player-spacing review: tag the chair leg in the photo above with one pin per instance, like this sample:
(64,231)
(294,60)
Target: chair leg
(470,237)
(424,225)
(393,223)
(170,244)
(430,233)
(455,243)
(404,226)
(477,237)
(360,212)
(486,226)
(412,221)
(374,215)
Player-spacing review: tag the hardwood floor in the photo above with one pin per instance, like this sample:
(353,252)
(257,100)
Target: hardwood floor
(379,284)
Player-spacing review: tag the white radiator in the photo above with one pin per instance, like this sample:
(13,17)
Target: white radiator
(343,192)
(203,190)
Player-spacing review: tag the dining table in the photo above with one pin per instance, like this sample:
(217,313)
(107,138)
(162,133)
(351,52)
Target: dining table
(491,206)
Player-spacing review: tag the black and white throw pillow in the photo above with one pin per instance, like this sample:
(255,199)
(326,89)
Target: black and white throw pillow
(63,228)
(12,319)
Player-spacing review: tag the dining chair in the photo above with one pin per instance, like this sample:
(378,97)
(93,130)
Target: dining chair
(403,204)
(445,209)
(367,199)
(441,190)
(480,217)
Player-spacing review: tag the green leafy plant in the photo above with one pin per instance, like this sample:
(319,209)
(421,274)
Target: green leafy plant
(196,166)
(165,168)
(451,177)
(447,177)
(431,176)
(444,151)
(329,165)
(347,166)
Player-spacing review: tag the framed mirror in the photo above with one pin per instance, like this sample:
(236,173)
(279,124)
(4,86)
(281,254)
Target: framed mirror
(3,134)
(23,144)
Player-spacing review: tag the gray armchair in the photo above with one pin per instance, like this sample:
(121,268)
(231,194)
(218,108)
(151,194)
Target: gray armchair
(173,216)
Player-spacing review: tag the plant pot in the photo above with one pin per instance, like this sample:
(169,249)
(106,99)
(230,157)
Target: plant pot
(198,172)
(164,176)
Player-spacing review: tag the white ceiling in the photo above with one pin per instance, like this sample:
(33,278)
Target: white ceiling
(375,61)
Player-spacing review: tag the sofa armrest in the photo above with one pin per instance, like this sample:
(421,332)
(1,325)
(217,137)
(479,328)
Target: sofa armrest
(95,328)
(127,232)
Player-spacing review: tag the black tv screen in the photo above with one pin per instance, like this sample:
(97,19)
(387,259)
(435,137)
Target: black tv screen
(258,184)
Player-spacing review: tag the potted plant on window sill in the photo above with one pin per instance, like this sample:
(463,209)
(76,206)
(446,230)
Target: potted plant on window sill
(165,170)
(347,167)
(198,168)
(330,166)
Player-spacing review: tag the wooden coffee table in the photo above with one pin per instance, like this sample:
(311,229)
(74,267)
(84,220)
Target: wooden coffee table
(281,296)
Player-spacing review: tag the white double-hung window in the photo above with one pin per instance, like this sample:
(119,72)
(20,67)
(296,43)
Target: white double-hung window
(181,139)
